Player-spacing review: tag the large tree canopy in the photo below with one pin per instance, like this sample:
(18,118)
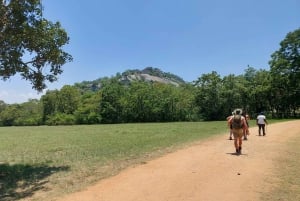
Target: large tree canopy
(30,44)
(285,71)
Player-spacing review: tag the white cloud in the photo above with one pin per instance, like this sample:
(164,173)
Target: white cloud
(13,96)
(17,90)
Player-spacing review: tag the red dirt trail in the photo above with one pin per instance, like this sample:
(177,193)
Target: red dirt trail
(209,171)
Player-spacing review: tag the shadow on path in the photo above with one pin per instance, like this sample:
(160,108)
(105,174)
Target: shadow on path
(19,181)
(236,154)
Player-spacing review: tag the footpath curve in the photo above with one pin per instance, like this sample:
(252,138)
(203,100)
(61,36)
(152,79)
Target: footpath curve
(209,170)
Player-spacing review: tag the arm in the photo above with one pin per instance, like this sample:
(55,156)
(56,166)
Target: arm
(229,119)
(266,122)
(245,123)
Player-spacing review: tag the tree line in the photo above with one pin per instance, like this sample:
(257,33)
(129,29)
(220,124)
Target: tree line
(210,97)
(36,53)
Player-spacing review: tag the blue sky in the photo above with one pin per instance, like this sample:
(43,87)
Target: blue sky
(183,37)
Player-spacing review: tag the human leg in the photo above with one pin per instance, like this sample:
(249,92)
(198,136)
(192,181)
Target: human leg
(245,134)
(263,129)
(236,145)
(247,129)
(235,137)
(230,133)
(240,142)
(259,129)
(238,139)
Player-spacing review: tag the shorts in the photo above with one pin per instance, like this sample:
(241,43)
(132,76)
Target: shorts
(237,132)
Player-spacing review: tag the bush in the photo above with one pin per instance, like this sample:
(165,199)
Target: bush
(61,119)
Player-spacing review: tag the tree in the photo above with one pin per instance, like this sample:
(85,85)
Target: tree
(9,115)
(30,44)
(261,91)
(30,114)
(3,105)
(232,93)
(49,104)
(285,73)
(208,96)
(88,111)
(136,102)
(186,108)
(258,89)
(59,107)
(110,106)
(68,99)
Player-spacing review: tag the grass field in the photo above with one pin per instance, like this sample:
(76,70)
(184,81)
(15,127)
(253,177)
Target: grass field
(287,183)
(59,159)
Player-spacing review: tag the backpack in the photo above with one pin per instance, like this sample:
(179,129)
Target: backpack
(237,121)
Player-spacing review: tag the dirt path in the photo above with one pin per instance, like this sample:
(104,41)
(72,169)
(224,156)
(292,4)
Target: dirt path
(207,171)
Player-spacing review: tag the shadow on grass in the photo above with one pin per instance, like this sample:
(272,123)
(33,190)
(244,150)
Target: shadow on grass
(20,181)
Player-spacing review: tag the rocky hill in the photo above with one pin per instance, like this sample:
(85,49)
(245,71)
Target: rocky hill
(148,74)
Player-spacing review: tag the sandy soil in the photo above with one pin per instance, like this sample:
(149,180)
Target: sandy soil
(209,171)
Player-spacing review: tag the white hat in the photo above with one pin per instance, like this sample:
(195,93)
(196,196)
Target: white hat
(238,111)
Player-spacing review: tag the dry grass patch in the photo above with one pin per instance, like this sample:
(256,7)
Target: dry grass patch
(286,180)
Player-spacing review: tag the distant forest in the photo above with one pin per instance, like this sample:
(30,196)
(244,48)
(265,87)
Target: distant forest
(211,97)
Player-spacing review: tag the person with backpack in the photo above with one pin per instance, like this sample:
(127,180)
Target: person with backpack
(261,121)
(238,123)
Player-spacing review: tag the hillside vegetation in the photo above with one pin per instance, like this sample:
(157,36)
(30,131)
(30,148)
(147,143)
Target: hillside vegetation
(136,96)
(148,74)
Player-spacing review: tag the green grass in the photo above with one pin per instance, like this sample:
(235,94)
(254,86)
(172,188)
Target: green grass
(286,184)
(68,158)
(61,159)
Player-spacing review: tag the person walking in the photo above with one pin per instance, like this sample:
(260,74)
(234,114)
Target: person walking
(230,126)
(261,122)
(238,123)
(246,129)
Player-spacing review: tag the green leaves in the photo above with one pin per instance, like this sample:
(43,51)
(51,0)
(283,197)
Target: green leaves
(30,44)
(285,71)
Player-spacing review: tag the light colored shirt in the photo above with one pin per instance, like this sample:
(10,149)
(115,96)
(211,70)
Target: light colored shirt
(261,119)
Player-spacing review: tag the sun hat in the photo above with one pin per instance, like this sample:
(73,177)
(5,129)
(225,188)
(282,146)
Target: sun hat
(238,111)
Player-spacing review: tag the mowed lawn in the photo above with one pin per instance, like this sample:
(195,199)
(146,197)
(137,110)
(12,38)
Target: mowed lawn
(54,160)
(59,159)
